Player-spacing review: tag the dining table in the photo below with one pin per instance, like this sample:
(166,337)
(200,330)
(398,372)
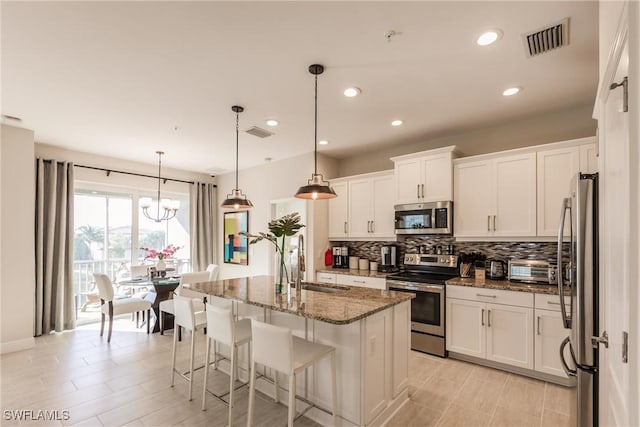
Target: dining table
(163,288)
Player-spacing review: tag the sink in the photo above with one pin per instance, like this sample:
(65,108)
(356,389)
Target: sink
(320,288)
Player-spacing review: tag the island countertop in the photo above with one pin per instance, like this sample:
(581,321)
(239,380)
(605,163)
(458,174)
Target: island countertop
(347,305)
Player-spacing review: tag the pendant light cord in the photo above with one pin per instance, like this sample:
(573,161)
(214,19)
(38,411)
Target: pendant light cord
(159,178)
(237,145)
(315,132)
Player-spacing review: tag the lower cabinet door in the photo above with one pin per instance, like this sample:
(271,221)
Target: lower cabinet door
(466,331)
(549,333)
(509,332)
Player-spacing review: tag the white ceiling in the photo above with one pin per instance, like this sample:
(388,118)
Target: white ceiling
(114,78)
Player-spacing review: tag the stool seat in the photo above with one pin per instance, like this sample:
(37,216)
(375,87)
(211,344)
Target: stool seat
(277,348)
(305,353)
(222,328)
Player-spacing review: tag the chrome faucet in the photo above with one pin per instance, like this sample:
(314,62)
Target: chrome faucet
(301,266)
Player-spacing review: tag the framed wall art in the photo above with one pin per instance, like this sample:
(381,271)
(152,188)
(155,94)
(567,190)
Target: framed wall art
(236,247)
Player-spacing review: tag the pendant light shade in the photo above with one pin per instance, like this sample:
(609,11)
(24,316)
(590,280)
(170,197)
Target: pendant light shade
(317,187)
(236,199)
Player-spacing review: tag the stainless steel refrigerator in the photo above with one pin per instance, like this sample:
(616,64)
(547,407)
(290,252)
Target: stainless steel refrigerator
(580,276)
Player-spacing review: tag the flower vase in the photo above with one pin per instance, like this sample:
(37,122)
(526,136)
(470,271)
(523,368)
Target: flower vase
(160,265)
(281,275)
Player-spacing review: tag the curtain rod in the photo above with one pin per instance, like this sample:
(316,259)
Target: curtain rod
(109,171)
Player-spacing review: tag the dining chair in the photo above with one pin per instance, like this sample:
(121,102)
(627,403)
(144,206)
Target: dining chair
(167,306)
(223,328)
(213,270)
(112,307)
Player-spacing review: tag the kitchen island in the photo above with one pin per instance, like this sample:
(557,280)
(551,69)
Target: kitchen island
(368,327)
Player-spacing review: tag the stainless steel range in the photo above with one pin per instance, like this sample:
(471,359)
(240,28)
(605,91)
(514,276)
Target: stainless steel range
(425,276)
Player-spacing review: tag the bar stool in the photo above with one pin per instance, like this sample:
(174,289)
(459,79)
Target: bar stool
(188,318)
(222,328)
(279,349)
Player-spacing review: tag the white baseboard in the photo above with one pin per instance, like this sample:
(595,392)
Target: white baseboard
(18,345)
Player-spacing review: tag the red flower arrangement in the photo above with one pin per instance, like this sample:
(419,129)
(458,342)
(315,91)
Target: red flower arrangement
(165,253)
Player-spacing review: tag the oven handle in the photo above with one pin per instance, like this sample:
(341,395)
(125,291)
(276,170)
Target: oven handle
(413,287)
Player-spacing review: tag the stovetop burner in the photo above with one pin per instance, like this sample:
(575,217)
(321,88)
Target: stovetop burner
(421,277)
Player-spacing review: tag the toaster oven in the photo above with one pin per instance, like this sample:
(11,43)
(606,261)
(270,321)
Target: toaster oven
(533,271)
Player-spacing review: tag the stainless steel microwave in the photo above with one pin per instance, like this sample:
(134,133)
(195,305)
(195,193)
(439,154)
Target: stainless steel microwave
(424,218)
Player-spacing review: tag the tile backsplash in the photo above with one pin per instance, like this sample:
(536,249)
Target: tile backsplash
(546,251)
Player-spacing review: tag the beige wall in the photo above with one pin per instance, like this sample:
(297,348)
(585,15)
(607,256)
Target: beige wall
(549,127)
(272,182)
(17,268)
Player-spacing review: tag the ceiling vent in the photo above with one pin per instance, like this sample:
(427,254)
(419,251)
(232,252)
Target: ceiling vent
(259,132)
(546,39)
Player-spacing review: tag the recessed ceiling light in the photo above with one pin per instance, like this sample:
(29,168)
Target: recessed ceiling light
(323,142)
(396,123)
(511,91)
(272,122)
(350,92)
(489,37)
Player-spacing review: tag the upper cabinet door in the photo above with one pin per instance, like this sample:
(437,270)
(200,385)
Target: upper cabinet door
(383,213)
(360,202)
(556,168)
(437,174)
(338,226)
(408,181)
(589,158)
(474,198)
(515,183)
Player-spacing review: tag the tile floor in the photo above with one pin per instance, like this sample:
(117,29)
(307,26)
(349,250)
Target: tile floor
(126,382)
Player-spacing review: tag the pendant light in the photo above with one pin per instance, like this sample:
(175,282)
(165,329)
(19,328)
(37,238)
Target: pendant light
(169,207)
(317,187)
(237,200)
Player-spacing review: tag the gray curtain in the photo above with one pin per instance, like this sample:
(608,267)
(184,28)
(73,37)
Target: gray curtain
(55,307)
(202,224)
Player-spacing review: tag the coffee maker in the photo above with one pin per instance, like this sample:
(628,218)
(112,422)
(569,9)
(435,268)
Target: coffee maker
(340,256)
(389,256)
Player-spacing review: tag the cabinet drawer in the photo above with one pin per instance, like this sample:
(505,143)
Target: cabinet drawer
(363,282)
(550,302)
(326,277)
(494,296)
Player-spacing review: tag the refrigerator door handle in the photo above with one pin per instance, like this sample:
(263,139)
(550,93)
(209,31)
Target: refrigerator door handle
(570,372)
(566,318)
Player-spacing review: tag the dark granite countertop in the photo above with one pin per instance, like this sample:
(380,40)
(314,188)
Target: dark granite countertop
(350,272)
(347,305)
(505,285)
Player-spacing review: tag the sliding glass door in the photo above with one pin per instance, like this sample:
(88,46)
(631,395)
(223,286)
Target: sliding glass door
(109,230)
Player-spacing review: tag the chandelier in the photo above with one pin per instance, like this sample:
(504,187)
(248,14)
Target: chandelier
(167,207)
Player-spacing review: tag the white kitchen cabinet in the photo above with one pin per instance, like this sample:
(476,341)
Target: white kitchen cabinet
(466,332)
(556,167)
(495,196)
(383,214)
(365,210)
(509,332)
(489,330)
(589,158)
(425,176)
(338,209)
(361,281)
(323,277)
(549,334)
(360,201)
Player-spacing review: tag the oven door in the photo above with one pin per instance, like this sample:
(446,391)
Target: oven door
(427,308)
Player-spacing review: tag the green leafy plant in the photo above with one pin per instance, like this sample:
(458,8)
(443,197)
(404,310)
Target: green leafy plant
(279,230)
